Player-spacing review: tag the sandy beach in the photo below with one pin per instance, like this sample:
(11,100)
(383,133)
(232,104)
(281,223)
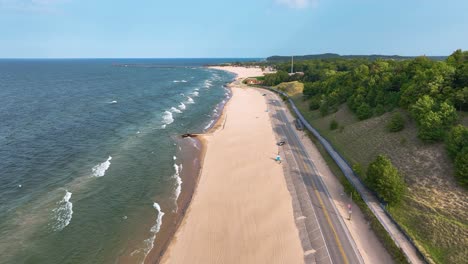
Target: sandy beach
(241,211)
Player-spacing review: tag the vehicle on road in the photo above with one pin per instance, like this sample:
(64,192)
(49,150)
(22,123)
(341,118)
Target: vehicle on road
(281,143)
(298,124)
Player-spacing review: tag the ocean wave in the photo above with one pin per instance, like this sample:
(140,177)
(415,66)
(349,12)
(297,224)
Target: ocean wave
(190,100)
(149,243)
(195,93)
(182,106)
(113,102)
(100,169)
(167,118)
(63,213)
(208,84)
(181,81)
(178,179)
(209,124)
(175,110)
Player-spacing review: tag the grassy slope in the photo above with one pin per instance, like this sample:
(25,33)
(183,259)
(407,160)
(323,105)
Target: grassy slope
(435,210)
(291,88)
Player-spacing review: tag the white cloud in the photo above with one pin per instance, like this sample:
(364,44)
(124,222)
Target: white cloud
(299,4)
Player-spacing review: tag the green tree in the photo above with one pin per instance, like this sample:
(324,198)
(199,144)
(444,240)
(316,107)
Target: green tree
(385,179)
(433,119)
(333,124)
(397,123)
(461,167)
(364,111)
(456,140)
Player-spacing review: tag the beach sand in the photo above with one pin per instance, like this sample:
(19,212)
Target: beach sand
(241,211)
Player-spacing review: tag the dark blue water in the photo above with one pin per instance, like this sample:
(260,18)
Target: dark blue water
(88,153)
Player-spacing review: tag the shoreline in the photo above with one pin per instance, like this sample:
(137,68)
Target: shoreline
(190,174)
(211,217)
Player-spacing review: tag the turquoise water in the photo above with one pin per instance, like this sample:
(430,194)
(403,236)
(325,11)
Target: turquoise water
(88,158)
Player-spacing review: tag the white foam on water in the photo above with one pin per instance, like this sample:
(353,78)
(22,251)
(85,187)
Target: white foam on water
(113,102)
(167,118)
(195,93)
(149,243)
(63,213)
(100,169)
(163,126)
(208,84)
(184,81)
(209,124)
(178,190)
(190,100)
(196,89)
(174,157)
(175,110)
(182,106)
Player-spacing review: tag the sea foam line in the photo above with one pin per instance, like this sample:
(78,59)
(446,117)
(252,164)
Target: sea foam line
(178,190)
(154,229)
(63,213)
(167,119)
(100,169)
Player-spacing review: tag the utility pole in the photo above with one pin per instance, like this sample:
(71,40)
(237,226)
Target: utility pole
(292,64)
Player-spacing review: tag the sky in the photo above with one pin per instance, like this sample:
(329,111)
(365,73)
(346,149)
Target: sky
(229,28)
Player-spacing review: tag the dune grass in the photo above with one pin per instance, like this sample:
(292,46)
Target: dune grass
(435,209)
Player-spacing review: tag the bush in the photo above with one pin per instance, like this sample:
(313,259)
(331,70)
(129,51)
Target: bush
(385,179)
(357,168)
(364,111)
(456,140)
(333,125)
(461,167)
(314,103)
(397,123)
(379,110)
(324,108)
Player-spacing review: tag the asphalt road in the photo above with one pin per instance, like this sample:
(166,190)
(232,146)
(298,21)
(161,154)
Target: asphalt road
(324,236)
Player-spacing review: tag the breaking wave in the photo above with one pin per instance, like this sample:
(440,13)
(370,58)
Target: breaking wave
(149,243)
(175,110)
(167,118)
(190,100)
(100,169)
(182,106)
(63,213)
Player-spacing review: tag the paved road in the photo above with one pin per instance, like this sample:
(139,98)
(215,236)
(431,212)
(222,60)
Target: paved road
(323,234)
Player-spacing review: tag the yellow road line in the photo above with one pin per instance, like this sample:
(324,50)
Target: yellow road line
(340,247)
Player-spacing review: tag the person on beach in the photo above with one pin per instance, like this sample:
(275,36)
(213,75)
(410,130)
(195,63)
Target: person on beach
(278,158)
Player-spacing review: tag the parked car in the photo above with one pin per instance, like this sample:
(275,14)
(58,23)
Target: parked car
(298,124)
(281,143)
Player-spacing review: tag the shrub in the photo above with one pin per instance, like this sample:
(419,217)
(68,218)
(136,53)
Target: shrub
(456,140)
(314,103)
(333,124)
(397,123)
(379,110)
(357,168)
(385,179)
(461,167)
(324,108)
(364,111)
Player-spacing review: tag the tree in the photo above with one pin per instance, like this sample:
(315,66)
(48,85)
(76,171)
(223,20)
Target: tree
(433,119)
(456,140)
(364,111)
(461,167)
(397,123)
(385,179)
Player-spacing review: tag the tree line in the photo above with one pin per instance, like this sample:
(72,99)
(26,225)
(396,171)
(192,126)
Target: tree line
(431,91)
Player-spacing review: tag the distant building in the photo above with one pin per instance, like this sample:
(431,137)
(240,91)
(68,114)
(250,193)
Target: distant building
(253,81)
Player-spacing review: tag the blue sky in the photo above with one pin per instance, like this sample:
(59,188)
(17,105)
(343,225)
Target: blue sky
(229,28)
